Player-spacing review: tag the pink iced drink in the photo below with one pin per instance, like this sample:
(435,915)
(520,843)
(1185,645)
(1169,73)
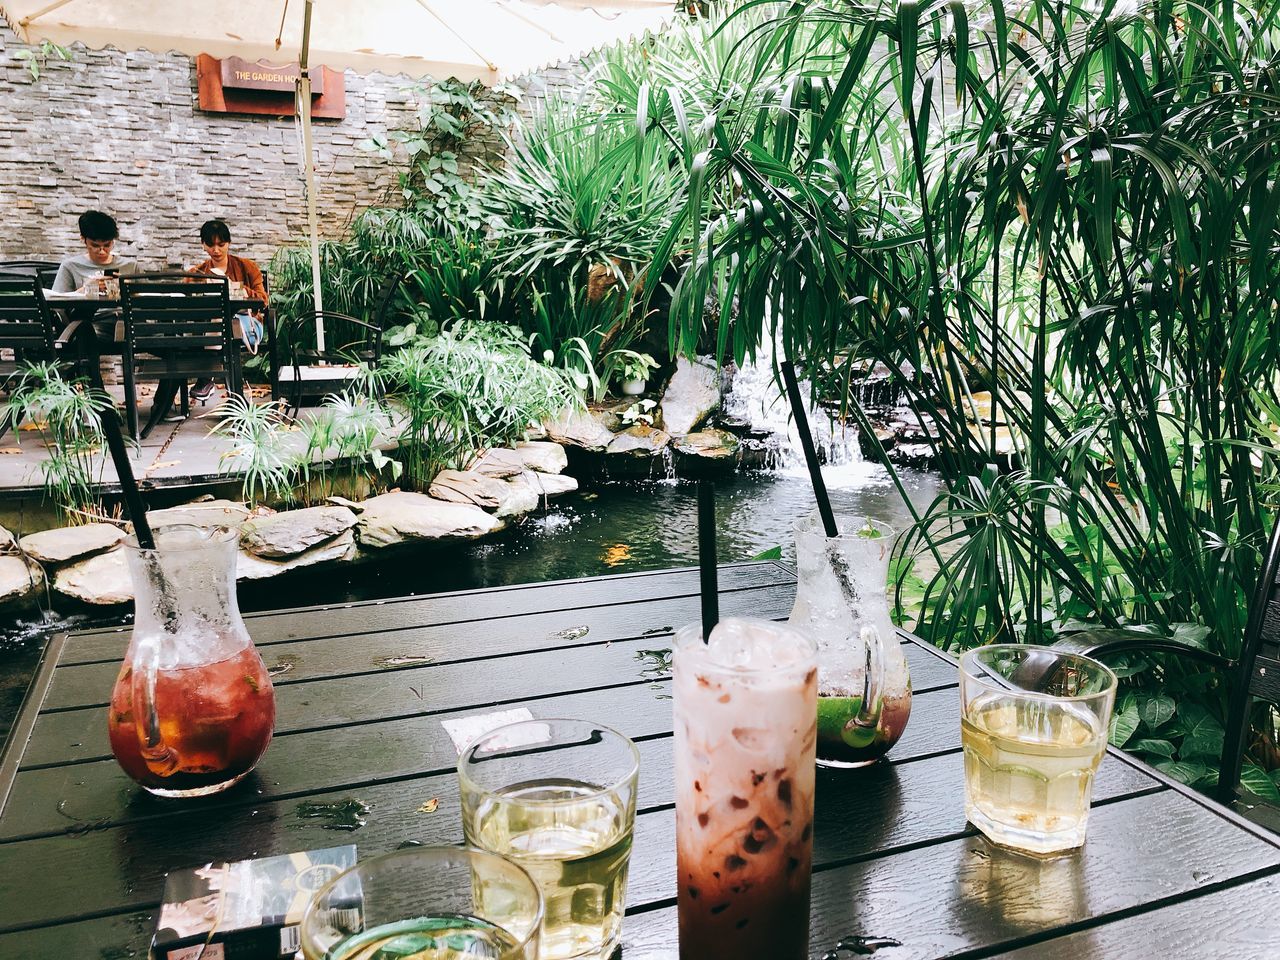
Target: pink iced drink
(745,732)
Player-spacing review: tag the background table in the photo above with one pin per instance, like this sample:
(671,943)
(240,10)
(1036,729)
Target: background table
(361,690)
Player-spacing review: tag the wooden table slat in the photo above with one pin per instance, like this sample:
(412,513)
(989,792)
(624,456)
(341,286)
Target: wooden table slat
(336,620)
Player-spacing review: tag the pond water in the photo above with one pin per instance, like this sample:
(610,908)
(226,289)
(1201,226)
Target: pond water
(613,528)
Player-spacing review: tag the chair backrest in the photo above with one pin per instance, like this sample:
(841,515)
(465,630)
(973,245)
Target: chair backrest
(26,324)
(168,312)
(1258,673)
(28,268)
(387,291)
(344,335)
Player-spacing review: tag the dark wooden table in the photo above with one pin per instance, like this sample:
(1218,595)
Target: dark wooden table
(362,690)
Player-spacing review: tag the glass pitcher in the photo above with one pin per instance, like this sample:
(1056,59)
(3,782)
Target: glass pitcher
(192,710)
(864,689)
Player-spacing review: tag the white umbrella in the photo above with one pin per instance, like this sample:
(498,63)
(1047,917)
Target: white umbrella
(487,40)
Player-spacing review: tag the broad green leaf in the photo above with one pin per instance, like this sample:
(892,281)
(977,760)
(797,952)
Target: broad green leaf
(1183,771)
(1157,710)
(1258,781)
(1202,734)
(773,553)
(1124,724)
(1159,748)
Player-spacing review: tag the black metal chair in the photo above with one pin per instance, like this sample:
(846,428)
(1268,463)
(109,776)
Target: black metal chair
(287,374)
(29,332)
(177,327)
(28,268)
(1254,676)
(312,374)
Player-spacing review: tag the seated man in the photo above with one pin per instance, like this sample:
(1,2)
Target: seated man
(99,233)
(215,237)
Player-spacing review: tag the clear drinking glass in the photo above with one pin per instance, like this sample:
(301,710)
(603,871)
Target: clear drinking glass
(559,798)
(745,732)
(447,903)
(1033,723)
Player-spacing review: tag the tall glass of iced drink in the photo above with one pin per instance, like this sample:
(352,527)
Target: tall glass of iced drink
(745,732)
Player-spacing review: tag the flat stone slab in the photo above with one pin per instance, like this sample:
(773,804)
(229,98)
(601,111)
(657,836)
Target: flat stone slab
(544,456)
(102,580)
(340,548)
(469,486)
(395,518)
(708,444)
(499,463)
(533,488)
(293,532)
(21,580)
(691,396)
(64,544)
(581,428)
(639,441)
(207,513)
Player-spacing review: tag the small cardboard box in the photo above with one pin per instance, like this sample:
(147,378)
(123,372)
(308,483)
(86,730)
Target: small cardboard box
(247,910)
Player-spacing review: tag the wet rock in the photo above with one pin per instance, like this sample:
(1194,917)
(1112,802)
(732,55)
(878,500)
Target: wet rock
(581,428)
(102,580)
(500,463)
(207,513)
(527,492)
(21,582)
(468,486)
(639,441)
(691,396)
(294,532)
(71,543)
(638,453)
(395,518)
(543,456)
(705,452)
(6,539)
(520,498)
(342,547)
(918,455)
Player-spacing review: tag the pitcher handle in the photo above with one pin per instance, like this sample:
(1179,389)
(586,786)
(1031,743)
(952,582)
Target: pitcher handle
(873,679)
(160,759)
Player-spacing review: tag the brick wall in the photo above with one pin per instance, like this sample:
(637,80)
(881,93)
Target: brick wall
(120,132)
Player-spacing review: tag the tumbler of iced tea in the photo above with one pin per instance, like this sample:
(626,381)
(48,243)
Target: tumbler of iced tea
(745,732)
(193,709)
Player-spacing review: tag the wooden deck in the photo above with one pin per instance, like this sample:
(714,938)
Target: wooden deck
(361,691)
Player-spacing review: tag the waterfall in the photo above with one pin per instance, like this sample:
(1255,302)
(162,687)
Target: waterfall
(760,403)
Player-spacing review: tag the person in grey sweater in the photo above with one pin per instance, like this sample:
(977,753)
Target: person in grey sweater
(99,233)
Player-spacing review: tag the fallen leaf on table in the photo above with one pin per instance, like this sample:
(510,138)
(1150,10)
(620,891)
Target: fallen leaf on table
(10,451)
(33,425)
(164,463)
(430,806)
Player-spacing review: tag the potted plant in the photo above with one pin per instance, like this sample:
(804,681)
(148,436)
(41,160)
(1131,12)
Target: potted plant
(633,370)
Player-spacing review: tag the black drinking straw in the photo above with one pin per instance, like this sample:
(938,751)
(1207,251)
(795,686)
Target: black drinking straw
(707,557)
(128,485)
(810,452)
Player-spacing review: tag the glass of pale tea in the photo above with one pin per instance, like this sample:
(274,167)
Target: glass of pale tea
(1033,723)
(446,903)
(559,798)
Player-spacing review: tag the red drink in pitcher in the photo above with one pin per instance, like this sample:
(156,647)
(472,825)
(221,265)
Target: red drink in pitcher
(193,709)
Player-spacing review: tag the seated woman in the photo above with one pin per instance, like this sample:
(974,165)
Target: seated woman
(215,237)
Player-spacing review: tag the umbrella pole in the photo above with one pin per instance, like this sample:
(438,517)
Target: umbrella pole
(309,169)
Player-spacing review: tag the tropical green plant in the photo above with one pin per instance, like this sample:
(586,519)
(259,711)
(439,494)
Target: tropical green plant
(67,415)
(629,365)
(458,125)
(261,452)
(1065,215)
(471,387)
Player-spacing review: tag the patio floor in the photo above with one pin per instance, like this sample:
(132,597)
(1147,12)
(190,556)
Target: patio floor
(175,454)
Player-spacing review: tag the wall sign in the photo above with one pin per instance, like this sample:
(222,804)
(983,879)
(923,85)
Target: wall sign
(234,85)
